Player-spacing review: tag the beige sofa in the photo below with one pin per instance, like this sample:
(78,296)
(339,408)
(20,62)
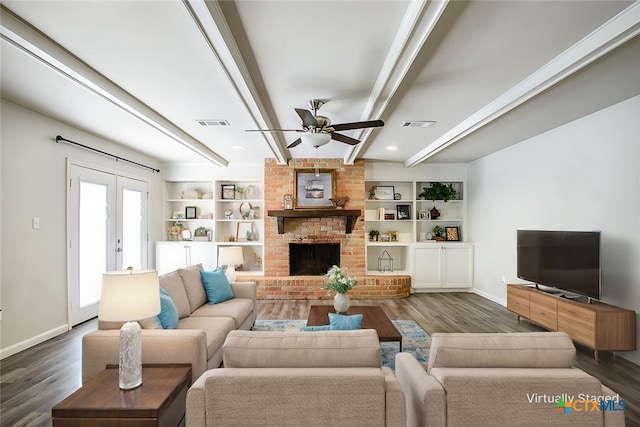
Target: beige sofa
(327,378)
(508,379)
(201,331)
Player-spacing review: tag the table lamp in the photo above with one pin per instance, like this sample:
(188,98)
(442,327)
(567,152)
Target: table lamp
(129,296)
(230,256)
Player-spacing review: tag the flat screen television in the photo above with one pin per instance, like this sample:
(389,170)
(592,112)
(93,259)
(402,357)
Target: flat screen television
(567,260)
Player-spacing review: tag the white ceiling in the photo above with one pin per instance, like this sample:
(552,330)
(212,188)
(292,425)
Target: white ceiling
(489,73)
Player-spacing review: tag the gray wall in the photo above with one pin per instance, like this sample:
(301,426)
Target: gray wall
(33,268)
(584,175)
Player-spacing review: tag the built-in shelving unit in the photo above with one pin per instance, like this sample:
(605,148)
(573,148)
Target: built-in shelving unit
(216,213)
(405,224)
(240,220)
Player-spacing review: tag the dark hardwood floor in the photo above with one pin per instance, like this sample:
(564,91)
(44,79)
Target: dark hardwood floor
(36,379)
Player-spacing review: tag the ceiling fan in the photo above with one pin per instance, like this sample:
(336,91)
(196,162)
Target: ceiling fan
(318,130)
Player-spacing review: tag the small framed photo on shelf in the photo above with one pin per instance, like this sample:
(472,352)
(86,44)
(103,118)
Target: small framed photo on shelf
(452,233)
(385,237)
(228,191)
(190,212)
(403,212)
(244,231)
(393,236)
(423,215)
(384,192)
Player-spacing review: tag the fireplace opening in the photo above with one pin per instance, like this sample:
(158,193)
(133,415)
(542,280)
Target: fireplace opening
(312,259)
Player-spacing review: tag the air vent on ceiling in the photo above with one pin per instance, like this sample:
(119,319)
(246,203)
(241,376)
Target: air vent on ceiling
(418,123)
(213,123)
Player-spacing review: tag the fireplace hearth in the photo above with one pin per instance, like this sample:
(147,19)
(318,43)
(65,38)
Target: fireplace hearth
(312,259)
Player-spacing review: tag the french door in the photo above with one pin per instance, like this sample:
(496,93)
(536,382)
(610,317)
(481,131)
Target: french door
(107,229)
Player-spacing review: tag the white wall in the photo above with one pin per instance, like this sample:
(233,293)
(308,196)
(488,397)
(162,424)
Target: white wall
(584,175)
(33,272)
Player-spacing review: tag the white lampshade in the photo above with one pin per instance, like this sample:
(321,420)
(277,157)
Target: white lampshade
(230,255)
(316,139)
(129,295)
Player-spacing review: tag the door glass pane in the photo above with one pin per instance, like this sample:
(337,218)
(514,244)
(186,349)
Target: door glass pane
(132,232)
(93,226)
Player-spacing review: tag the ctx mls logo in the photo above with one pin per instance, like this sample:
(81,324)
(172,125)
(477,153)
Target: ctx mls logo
(588,405)
(563,406)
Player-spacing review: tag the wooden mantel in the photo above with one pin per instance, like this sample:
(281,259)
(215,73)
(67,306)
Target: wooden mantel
(350,216)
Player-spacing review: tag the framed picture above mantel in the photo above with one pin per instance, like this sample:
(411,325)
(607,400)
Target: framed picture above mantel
(314,188)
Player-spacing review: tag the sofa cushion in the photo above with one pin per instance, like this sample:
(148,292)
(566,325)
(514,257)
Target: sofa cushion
(500,396)
(172,283)
(339,322)
(297,349)
(215,329)
(193,286)
(151,323)
(237,308)
(168,315)
(501,350)
(216,286)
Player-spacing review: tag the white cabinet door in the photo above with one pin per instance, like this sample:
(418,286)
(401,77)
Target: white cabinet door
(427,267)
(171,256)
(443,265)
(203,253)
(457,266)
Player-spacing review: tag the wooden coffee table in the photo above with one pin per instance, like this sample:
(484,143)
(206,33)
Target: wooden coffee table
(373,317)
(159,401)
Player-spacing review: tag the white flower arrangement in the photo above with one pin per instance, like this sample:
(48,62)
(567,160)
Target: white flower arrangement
(339,281)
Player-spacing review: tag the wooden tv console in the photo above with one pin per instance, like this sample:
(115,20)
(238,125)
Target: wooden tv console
(595,325)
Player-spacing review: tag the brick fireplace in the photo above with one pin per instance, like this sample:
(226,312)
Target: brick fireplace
(277,283)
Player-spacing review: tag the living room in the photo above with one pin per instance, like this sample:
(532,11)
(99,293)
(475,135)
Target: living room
(578,175)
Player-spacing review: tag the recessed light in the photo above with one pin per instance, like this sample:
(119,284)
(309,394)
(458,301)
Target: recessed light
(418,123)
(216,122)
(392,147)
(238,147)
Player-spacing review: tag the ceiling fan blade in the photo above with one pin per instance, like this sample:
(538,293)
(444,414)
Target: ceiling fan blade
(358,125)
(307,118)
(295,143)
(274,130)
(344,138)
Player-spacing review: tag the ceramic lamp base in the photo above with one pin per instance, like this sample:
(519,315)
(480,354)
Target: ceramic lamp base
(130,370)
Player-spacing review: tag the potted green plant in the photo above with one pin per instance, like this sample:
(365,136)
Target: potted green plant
(373,235)
(438,191)
(438,232)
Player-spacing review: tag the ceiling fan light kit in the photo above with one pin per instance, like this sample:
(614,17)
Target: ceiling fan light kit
(316,139)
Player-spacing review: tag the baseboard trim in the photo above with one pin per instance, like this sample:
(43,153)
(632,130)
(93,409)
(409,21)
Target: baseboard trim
(501,301)
(28,343)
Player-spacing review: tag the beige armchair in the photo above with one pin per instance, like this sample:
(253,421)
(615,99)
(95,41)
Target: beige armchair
(328,378)
(513,379)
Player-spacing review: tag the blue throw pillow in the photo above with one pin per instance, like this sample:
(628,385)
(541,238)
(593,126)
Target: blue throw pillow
(216,285)
(316,328)
(168,312)
(341,322)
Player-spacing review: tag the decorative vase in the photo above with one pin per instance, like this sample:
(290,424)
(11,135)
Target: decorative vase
(341,302)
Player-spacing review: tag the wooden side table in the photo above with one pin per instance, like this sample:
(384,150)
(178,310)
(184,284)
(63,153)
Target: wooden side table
(159,401)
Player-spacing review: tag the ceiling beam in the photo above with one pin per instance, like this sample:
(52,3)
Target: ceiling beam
(20,34)
(211,22)
(419,21)
(612,34)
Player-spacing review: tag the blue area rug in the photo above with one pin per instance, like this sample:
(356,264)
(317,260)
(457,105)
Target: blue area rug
(414,340)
